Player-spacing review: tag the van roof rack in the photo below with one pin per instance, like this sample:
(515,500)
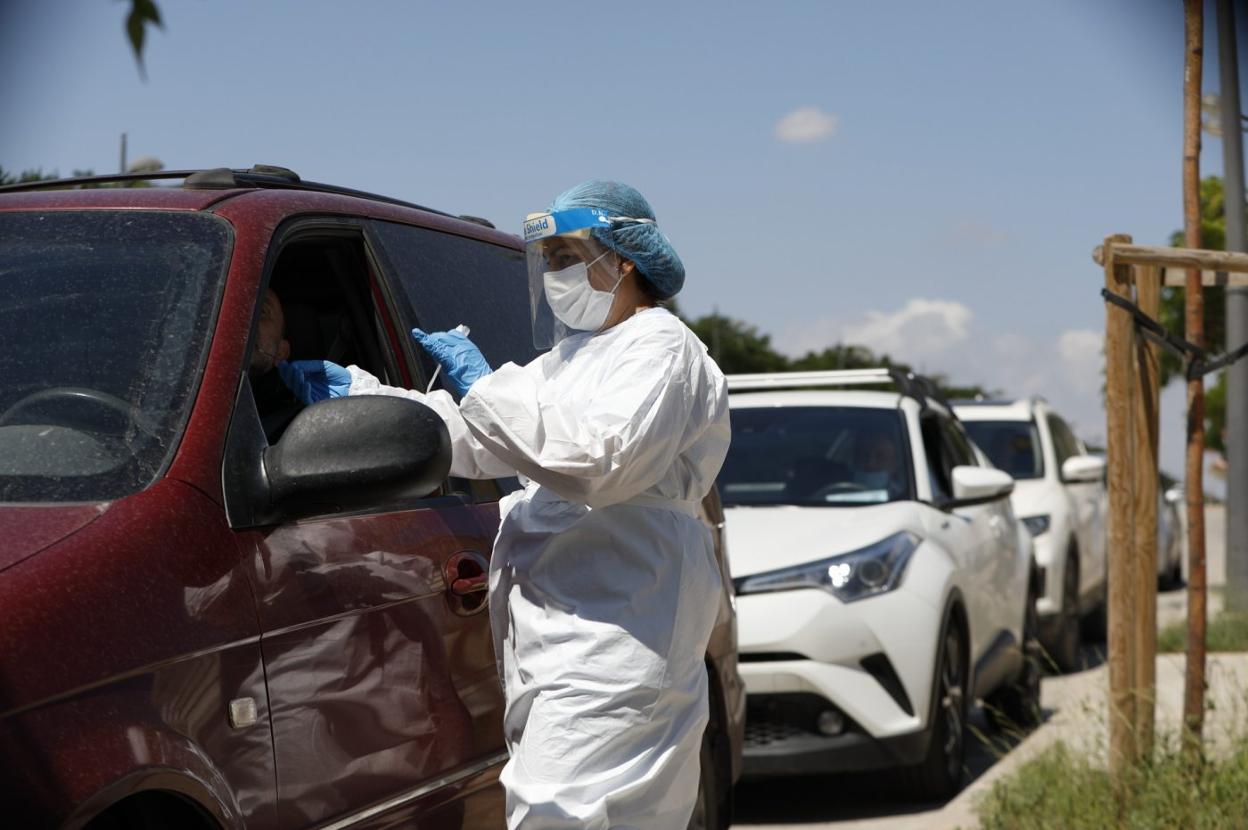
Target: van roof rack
(257,176)
(907,383)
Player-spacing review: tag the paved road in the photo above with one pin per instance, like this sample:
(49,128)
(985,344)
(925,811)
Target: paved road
(1072,705)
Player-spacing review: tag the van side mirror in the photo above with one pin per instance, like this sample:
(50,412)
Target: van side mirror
(355,453)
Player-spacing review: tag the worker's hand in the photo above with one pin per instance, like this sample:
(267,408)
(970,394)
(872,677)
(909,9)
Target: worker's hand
(461,360)
(315,380)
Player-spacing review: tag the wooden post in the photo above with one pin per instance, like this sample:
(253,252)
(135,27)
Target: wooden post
(1147,399)
(1119,367)
(1194,680)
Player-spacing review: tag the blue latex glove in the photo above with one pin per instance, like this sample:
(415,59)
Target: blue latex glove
(461,360)
(314,380)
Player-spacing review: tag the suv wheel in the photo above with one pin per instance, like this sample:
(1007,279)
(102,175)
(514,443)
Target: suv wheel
(1066,648)
(1096,624)
(1016,707)
(939,775)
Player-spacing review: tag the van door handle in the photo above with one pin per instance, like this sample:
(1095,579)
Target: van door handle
(467,576)
(471,585)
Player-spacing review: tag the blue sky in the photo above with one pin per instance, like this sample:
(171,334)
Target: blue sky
(959,161)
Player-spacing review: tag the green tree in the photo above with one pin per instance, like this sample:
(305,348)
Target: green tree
(1215,415)
(1173,306)
(846,356)
(38,175)
(35,175)
(840,356)
(737,346)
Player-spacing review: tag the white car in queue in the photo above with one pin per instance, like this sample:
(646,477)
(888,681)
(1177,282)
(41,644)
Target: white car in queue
(1061,496)
(883,583)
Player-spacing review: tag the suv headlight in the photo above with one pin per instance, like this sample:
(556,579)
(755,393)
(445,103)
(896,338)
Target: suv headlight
(875,569)
(1037,524)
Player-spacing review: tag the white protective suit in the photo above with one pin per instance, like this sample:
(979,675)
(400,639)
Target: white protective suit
(603,582)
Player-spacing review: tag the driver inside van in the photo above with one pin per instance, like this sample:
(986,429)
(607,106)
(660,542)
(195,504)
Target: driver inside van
(275,402)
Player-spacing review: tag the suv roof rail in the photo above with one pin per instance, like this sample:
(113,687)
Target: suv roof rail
(258,176)
(983,401)
(907,383)
(986,401)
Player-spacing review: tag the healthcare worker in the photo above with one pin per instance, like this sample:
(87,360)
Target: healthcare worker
(603,582)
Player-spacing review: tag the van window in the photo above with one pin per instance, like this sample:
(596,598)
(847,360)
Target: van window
(447,280)
(106,318)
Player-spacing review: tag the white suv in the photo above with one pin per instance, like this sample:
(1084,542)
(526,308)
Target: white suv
(1060,495)
(883,583)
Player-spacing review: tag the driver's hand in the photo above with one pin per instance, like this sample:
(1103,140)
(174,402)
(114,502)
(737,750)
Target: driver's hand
(315,380)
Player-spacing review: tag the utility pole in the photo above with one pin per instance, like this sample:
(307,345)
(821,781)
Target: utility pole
(715,333)
(1236,318)
(123,154)
(1194,313)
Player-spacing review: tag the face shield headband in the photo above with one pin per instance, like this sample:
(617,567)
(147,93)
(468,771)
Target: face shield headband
(574,221)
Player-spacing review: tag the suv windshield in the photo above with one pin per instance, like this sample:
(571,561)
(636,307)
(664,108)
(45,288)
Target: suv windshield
(105,317)
(816,455)
(1012,446)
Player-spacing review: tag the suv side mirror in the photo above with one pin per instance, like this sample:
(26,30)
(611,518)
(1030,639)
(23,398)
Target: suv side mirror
(353,453)
(1083,469)
(978,485)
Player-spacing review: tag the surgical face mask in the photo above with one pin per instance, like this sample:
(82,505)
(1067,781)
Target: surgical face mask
(576,303)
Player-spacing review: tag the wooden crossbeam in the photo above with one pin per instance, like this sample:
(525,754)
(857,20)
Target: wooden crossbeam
(1217,268)
(1229,261)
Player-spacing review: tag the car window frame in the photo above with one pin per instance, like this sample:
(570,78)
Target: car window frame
(958,443)
(241,442)
(1062,434)
(939,472)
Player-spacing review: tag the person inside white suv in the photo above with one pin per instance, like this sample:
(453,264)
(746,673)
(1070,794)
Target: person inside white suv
(878,463)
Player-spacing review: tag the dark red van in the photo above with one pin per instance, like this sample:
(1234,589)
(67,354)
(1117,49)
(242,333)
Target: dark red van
(218,614)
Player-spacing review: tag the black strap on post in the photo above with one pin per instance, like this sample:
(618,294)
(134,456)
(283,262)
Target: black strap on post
(1197,361)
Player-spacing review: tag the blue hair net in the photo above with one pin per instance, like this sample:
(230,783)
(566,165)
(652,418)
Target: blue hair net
(642,242)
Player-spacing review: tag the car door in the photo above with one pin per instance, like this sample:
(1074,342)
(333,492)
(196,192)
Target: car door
(1087,503)
(957,531)
(1009,568)
(436,280)
(380,672)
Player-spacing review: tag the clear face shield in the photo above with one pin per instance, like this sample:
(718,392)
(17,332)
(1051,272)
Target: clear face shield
(572,277)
